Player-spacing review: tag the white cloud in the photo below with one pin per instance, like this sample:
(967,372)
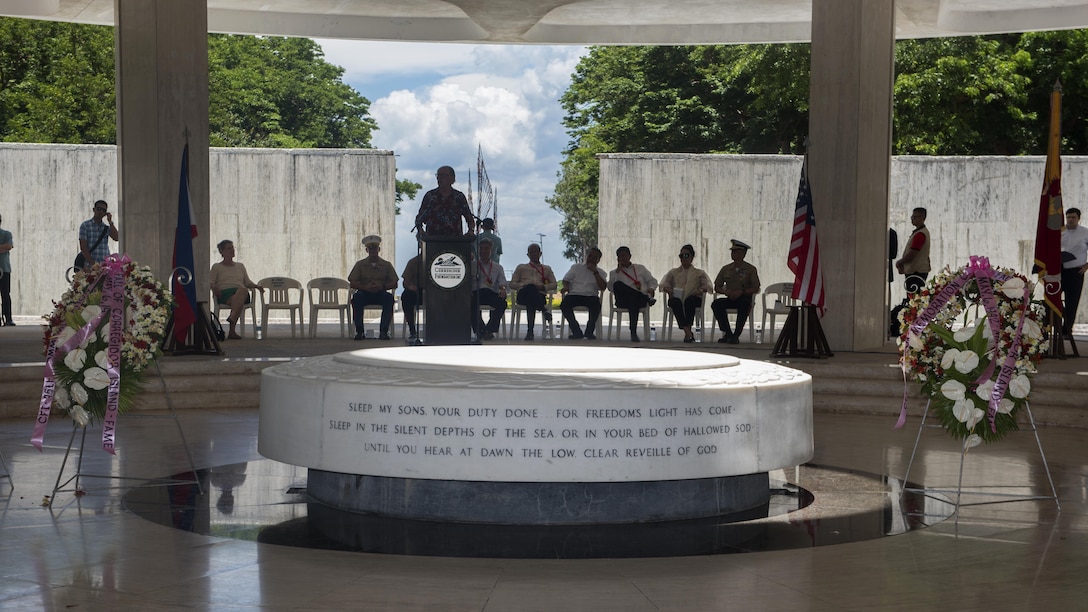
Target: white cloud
(444,100)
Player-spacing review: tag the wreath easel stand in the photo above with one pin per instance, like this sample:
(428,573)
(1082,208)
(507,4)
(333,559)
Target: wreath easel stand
(147,482)
(6,472)
(1006,497)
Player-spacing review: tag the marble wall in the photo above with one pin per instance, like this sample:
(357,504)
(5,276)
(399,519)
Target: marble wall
(655,203)
(290,212)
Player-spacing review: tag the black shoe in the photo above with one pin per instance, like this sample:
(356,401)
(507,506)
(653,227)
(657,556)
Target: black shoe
(634,336)
(358,336)
(723,340)
(591,337)
(689,340)
(529,337)
(652,301)
(487,336)
(9,324)
(576,336)
(385,336)
(733,340)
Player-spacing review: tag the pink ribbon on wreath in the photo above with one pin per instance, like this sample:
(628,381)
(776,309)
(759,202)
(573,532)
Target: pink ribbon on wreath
(979,269)
(113,297)
(113,302)
(53,353)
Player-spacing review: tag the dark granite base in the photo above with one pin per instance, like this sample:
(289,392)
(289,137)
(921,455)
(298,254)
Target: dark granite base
(535,503)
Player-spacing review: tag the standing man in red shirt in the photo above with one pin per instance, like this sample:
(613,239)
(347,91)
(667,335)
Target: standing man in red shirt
(915,261)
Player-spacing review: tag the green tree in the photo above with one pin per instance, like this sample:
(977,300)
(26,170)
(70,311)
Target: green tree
(406,190)
(963,96)
(57,85)
(280,92)
(56,82)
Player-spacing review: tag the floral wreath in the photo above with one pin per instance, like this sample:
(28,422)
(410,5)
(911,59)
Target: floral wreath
(976,377)
(78,340)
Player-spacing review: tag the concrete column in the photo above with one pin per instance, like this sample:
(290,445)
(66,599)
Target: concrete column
(850,119)
(162,94)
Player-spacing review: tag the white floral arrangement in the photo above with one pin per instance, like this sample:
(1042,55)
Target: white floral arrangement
(977,377)
(81,373)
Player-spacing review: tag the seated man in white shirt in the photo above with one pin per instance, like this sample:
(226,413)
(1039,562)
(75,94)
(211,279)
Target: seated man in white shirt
(582,286)
(490,291)
(632,287)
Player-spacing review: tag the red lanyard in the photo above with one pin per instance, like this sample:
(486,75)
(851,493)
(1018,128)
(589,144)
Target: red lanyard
(487,273)
(638,285)
(540,271)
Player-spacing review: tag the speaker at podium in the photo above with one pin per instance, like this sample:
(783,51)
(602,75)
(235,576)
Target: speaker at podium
(447,294)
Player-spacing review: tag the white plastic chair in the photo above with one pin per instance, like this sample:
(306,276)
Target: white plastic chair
(328,293)
(516,310)
(251,307)
(277,296)
(615,318)
(668,321)
(780,304)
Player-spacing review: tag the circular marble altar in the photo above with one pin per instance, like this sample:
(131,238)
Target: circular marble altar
(536,434)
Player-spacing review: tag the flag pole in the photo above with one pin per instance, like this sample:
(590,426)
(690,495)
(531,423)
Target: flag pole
(1048,231)
(803,335)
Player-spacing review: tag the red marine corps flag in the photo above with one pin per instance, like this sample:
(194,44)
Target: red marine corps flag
(1048,233)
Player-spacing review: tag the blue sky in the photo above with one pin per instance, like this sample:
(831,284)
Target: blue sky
(435,103)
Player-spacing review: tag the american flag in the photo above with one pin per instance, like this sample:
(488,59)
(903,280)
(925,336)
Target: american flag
(804,256)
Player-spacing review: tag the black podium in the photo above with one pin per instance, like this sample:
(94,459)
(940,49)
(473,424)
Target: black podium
(447,289)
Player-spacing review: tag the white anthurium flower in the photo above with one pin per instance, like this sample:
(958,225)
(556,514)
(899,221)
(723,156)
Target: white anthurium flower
(90,312)
(96,378)
(915,341)
(79,394)
(65,335)
(964,334)
(1013,287)
(975,416)
(1020,386)
(102,359)
(1032,329)
(949,358)
(971,441)
(966,361)
(985,390)
(80,416)
(1005,406)
(953,390)
(962,409)
(75,359)
(61,398)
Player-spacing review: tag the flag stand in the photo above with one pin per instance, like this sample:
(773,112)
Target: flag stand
(802,336)
(199,340)
(1058,338)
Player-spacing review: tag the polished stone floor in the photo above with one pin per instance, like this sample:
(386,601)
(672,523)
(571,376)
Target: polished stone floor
(92,553)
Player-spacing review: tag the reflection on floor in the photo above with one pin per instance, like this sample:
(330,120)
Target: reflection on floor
(788,521)
(89,552)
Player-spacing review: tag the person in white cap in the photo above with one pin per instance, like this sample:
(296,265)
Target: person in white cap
(738,282)
(372,278)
